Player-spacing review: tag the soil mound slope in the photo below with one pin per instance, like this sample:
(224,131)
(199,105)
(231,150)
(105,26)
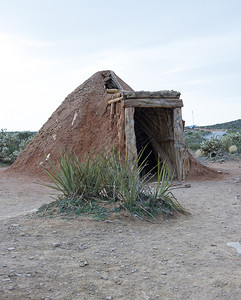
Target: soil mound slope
(79,125)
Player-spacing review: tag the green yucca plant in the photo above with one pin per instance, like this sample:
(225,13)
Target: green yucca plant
(105,178)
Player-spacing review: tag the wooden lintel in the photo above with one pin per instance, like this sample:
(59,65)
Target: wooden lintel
(151,102)
(146,94)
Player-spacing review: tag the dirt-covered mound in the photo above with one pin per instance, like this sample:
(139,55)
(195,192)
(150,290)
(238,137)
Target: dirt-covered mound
(199,171)
(81,124)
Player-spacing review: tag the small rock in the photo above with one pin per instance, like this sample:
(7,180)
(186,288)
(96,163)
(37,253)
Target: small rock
(164,273)
(108,221)
(108,298)
(56,245)
(5,280)
(81,247)
(117,281)
(213,245)
(31,258)
(10,249)
(219,172)
(187,186)
(83,263)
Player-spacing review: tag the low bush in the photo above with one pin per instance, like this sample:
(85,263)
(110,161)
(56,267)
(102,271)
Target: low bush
(232,138)
(194,138)
(229,143)
(103,179)
(12,143)
(211,146)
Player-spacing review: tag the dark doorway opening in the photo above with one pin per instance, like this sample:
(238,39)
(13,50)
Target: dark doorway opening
(144,142)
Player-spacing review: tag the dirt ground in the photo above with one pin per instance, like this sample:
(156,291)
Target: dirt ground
(182,258)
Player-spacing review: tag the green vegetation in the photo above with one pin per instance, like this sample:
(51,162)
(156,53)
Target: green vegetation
(220,147)
(230,143)
(194,137)
(103,183)
(12,143)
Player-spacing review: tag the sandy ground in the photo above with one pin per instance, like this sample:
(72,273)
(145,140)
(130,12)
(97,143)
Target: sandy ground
(182,258)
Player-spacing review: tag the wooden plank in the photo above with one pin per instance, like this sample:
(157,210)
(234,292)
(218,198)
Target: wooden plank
(149,102)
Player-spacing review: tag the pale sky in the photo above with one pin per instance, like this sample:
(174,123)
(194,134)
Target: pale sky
(49,47)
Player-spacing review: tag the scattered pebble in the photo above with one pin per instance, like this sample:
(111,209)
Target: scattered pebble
(56,245)
(7,279)
(83,263)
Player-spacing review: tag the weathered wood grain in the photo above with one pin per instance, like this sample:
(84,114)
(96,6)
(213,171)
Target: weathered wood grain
(149,102)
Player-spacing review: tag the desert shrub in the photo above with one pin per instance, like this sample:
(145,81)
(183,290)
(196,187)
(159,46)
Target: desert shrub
(100,179)
(233,138)
(211,146)
(194,138)
(12,143)
(222,146)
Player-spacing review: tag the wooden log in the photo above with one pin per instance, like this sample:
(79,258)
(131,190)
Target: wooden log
(130,134)
(115,100)
(121,126)
(112,110)
(112,91)
(147,94)
(149,102)
(182,157)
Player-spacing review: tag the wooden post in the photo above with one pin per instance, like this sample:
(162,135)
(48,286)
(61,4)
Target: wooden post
(130,134)
(182,158)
